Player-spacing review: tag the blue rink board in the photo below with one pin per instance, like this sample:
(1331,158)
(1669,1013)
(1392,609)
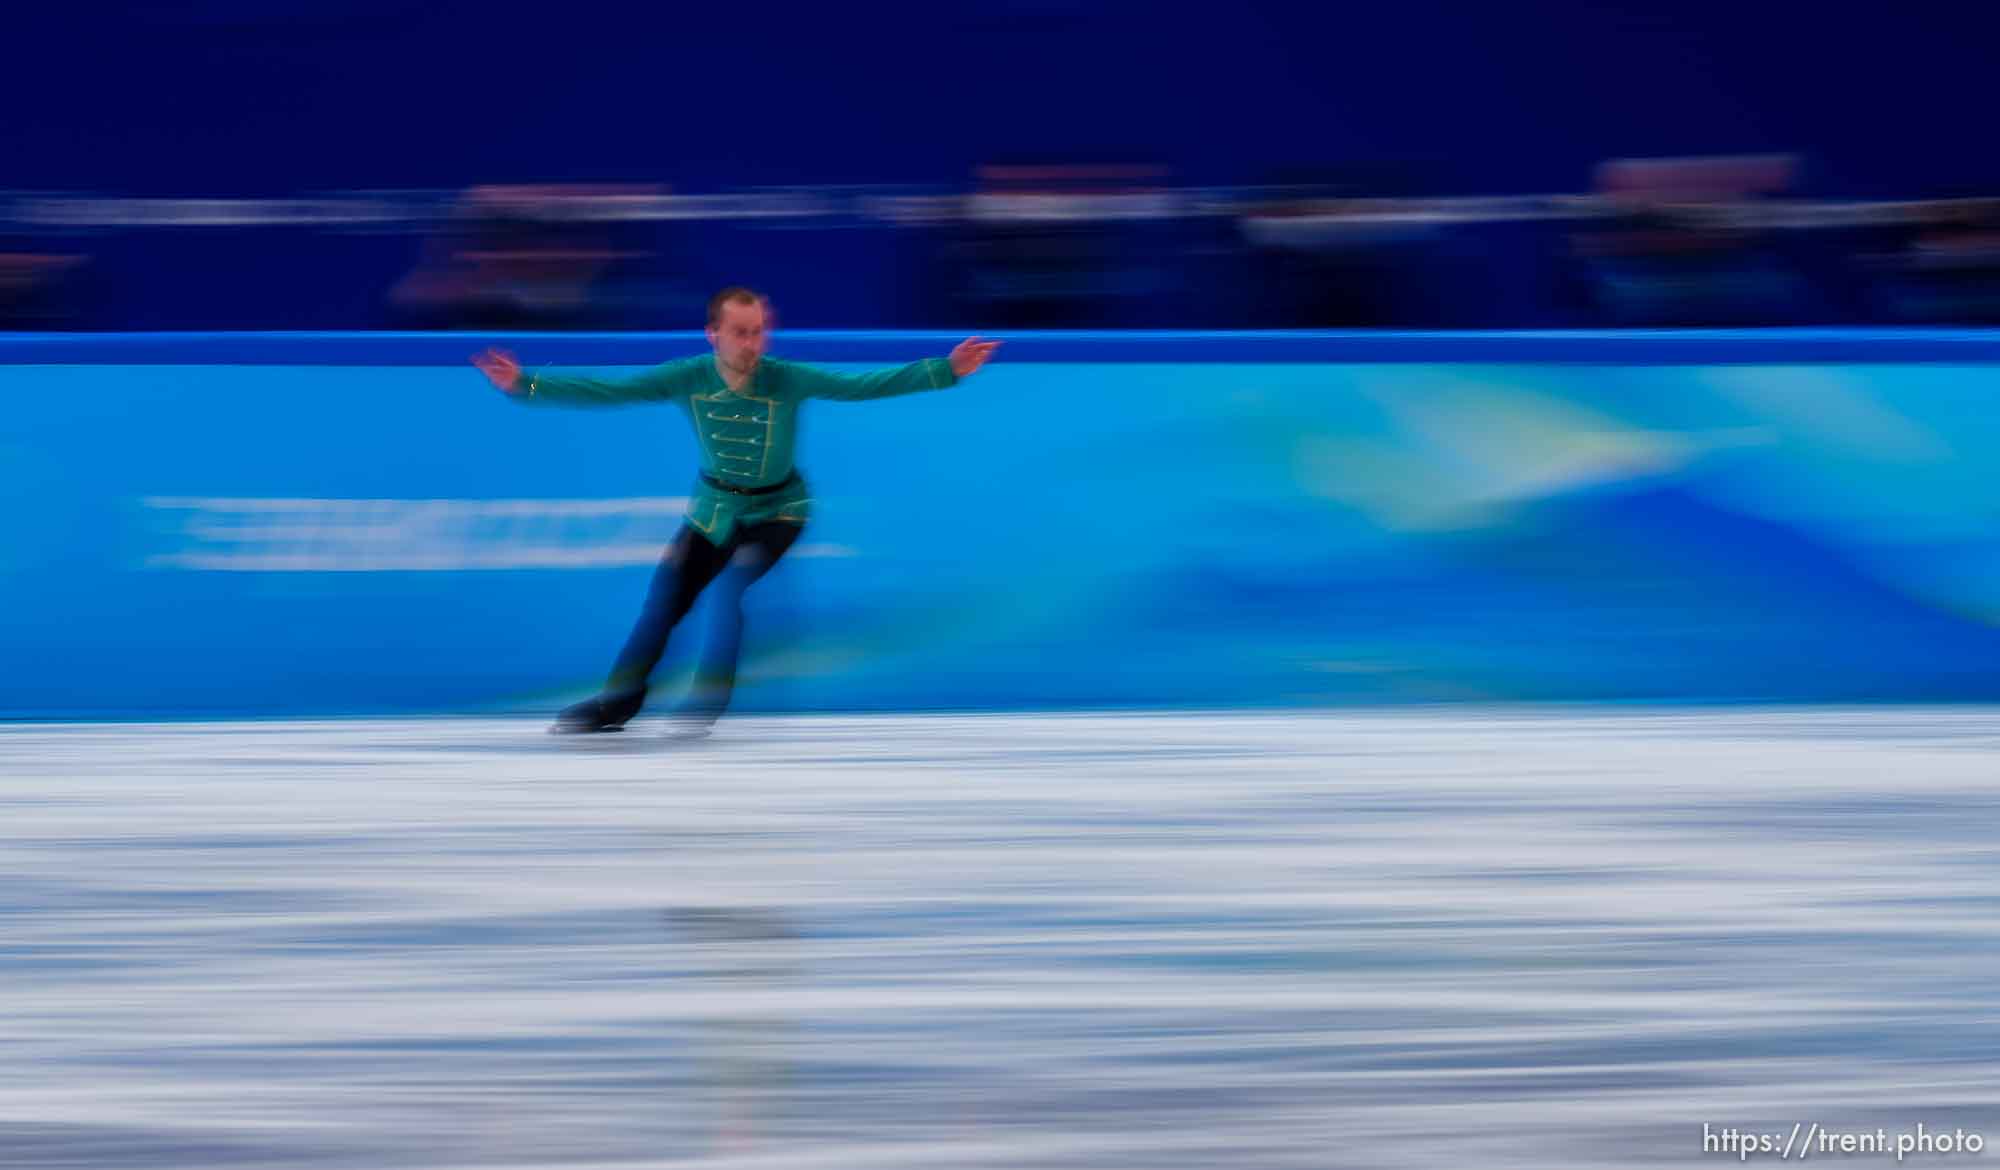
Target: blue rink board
(325,524)
(1555,346)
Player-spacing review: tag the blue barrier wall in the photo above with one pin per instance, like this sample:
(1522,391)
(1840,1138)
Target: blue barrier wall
(273,524)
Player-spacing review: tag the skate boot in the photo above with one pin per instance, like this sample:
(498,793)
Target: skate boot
(603,712)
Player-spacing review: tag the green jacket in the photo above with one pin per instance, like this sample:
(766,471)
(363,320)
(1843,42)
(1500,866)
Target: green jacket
(746,437)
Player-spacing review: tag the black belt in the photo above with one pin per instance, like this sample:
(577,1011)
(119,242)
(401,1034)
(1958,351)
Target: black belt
(732,489)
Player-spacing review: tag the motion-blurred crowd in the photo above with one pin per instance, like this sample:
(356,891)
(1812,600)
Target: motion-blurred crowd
(1724,241)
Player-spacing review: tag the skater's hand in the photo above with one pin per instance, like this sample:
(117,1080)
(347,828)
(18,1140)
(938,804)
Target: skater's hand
(500,369)
(970,355)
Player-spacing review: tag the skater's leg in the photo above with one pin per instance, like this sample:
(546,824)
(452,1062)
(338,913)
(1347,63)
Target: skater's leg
(759,550)
(687,566)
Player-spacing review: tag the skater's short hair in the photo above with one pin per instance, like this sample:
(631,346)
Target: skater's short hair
(735,294)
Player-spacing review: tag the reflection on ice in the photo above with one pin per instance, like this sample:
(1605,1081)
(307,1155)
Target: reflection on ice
(1401,939)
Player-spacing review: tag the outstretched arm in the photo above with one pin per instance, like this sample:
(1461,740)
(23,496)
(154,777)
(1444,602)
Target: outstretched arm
(928,374)
(507,375)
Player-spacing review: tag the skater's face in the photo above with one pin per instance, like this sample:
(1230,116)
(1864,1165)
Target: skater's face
(738,336)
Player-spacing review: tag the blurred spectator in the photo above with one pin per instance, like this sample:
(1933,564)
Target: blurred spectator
(518,257)
(1673,250)
(40,289)
(1060,246)
(1948,271)
(1336,247)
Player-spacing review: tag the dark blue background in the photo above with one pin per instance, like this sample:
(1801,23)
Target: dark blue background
(244,96)
(242,99)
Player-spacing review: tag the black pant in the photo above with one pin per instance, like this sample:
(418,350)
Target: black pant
(689,565)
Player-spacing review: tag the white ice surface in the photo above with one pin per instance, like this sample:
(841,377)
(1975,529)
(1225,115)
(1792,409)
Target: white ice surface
(1410,939)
